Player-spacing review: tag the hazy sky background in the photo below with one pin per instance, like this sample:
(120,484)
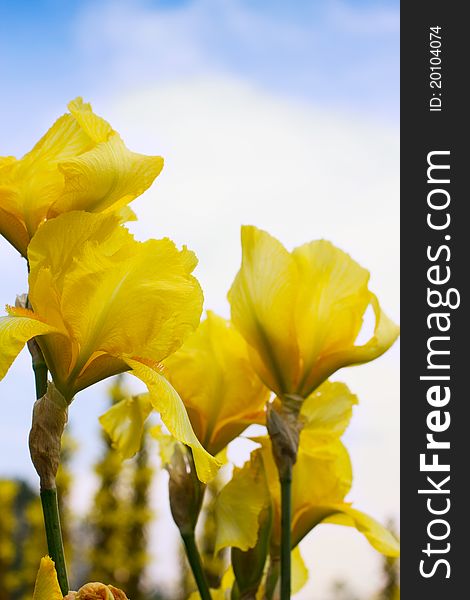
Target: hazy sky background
(283,115)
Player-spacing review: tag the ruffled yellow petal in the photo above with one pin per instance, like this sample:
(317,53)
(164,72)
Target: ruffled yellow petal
(385,334)
(328,409)
(47,586)
(15,330)
(36,180)
(115,297)
(124,423)
(378,536)
(166,401)
(239,506)
(108,176)
(262,299)
(214,377)
(96,128)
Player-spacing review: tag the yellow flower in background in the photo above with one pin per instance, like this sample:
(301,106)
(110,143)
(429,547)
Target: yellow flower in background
(103,303)
(213,375)
(302,311)
(322,478)
(81,163)
(47,587)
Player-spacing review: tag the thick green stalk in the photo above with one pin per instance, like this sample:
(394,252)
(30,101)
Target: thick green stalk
(286,519)
(196,565)
(55,545)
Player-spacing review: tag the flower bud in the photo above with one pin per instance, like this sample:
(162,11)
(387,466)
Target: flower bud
(186,491)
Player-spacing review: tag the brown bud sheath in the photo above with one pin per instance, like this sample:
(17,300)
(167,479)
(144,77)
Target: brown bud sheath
(284,427)
(49,420)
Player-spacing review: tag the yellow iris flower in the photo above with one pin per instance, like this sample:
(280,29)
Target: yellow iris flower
(302,311)
(213,376)
(81,163)
(103,303)
(322,478)
(47,587)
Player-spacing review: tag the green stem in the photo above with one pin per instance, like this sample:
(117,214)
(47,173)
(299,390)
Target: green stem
(55,546)
(196,565)
(50,507)
(286,518)
(40,377)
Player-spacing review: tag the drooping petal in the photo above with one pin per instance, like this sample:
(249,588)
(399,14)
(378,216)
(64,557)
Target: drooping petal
(214,377)
(47,586)
(328,409)
(385,334)
(378,536)
(166,401)
(240,504)
(262,299)
(15,330)
(108,176)
(124,423)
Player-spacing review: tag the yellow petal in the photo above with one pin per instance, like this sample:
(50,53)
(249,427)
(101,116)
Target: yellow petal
(239,505)
(328,409)
(299,571)
(166,401)
(213,375)
(15,330)
(36,179)
(47,586)
(12,228)
(106,177)
(166,444)
(262,299)
(124,423)
(378,536)
(332,299)
(385,334)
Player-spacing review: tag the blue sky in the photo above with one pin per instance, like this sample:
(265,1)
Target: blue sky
(281,114)
(338,53)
